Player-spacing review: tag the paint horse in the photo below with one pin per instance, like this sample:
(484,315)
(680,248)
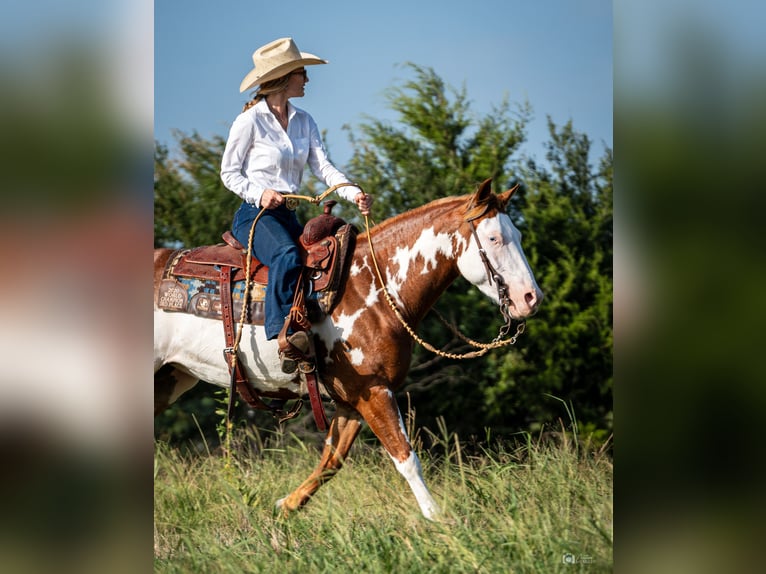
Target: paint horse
(363,350)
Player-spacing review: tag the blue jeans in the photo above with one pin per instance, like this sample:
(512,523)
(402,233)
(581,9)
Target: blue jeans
(274,244)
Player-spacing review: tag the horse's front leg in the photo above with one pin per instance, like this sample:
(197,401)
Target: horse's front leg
(382,414)
(344,428)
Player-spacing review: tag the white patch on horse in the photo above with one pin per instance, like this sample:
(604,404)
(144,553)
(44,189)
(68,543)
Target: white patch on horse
(428,245)
(197,343)
(402,259)
(340,329)
(356,356)
(372,296)
(331,331)
(470,262)
(357,268)
(392,286)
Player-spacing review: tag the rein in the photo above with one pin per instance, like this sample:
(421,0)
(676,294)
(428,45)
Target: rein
(502,291)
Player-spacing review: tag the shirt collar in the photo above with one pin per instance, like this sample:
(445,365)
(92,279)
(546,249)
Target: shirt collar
(263,108)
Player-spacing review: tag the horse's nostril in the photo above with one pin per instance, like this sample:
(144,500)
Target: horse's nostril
(531,299)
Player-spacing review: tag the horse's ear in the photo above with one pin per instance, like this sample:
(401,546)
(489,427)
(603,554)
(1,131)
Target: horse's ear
(505,197)
(482,194)
(479,202)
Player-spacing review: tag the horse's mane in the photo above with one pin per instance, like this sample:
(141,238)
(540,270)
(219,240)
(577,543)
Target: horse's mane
(436,207)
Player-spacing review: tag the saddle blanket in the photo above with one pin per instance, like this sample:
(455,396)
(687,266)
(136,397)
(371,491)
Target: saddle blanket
(202,297)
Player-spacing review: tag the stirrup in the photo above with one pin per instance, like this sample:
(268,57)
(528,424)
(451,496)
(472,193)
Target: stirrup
(296,351)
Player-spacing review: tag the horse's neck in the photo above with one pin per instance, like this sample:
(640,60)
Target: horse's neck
(417,256)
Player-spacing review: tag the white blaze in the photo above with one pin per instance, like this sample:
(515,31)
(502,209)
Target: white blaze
(502,244)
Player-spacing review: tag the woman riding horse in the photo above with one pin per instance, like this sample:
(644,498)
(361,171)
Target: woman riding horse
(269,144)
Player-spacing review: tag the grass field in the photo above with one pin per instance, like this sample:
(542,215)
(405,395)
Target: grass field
(534,505)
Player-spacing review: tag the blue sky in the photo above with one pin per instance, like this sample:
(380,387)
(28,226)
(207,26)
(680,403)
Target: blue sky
(557,54)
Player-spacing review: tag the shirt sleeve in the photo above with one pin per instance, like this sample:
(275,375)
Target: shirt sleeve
(233,162)
(322,167)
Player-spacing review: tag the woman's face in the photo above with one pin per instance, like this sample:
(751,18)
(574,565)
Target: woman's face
(296,84)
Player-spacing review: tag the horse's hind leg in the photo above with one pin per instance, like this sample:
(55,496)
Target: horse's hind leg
(382,414)
(344,428)
(169,384)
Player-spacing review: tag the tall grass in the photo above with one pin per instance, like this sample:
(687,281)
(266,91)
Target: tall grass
(532,505)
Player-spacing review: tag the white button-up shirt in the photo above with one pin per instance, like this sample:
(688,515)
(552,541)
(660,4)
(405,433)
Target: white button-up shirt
(261,155)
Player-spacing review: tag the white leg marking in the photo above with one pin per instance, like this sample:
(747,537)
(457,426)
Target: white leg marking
(410,469)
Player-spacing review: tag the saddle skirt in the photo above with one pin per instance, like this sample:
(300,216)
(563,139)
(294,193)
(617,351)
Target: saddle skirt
(193,278)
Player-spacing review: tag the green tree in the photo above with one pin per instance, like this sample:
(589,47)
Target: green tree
(436,149)
(191,205)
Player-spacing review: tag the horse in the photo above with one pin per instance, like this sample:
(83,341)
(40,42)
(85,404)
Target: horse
(363,349)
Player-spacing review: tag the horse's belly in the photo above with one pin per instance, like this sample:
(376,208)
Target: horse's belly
(195,344)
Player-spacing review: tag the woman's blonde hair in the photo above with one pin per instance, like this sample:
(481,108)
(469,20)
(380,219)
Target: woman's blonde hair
(270,87)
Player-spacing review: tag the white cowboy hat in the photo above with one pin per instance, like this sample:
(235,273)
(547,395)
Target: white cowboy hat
(276,59)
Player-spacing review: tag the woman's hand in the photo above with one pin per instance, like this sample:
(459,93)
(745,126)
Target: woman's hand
(363,202)
(271,199)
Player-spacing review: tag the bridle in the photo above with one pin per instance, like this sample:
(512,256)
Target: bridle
(492,274)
